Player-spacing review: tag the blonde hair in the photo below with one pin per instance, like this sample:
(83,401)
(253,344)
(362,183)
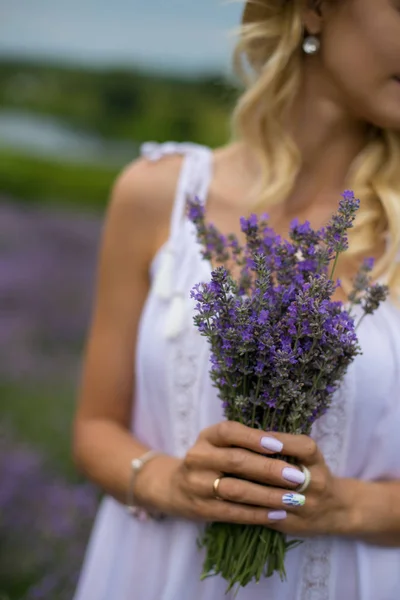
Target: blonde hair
(268,60)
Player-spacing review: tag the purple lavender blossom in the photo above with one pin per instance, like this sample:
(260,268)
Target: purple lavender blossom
(214,244)
(341,222)
(280,345)
(44,523)
(47,261)
(280,336)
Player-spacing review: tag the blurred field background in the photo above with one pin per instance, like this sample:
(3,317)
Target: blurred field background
(82,85)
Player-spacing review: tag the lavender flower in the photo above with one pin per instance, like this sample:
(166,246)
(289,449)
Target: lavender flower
(374,296)
(272,341)
(336,232)
(44,523)
(47,260)
(280,345)
(213,243)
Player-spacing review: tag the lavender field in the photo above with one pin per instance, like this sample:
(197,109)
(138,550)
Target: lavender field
(47,264)
(65,133)
(47,269)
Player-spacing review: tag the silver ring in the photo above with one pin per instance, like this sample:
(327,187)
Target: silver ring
(303,487)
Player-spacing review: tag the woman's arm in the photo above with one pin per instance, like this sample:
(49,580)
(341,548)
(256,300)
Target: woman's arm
(373,510)
(136,225)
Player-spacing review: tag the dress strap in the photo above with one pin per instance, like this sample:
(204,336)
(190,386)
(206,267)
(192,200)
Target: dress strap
(194,180)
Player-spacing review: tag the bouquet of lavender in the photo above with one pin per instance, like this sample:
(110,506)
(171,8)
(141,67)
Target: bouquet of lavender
(280,346)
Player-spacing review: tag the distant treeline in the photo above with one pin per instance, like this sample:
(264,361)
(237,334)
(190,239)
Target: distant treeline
(120,103)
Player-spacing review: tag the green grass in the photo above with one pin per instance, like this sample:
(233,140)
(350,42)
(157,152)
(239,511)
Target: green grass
(115,104)
(42,416)
(48,181)
(121,103)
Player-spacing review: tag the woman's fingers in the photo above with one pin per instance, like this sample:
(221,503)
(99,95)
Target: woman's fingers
(230,433)
(254,486)
(245,492)
(240,501)
(229,512)
(240,491)
(245,465)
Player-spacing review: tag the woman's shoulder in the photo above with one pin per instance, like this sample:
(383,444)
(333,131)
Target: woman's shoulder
(150,181)
(146,188)
(148,184)
(144,192)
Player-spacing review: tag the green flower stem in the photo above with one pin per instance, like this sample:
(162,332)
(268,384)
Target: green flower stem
(334,265)
(360,321)
(243,553)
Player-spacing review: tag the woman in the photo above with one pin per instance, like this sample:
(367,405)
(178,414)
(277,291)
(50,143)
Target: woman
(321,114)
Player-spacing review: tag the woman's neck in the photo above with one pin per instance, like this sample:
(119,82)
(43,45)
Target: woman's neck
(328,138)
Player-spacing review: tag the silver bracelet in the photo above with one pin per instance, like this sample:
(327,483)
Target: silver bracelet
(137,464)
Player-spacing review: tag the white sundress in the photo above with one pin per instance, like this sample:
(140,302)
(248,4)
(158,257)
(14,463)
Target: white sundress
(174,400)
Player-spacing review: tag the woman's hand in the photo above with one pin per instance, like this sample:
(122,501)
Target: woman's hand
(254,488)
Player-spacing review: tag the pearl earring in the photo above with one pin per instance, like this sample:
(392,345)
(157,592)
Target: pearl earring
(311,44)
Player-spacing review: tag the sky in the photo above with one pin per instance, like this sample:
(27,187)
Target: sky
(174,35)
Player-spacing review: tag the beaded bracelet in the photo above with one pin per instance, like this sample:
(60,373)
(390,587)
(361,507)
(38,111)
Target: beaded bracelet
(137,511)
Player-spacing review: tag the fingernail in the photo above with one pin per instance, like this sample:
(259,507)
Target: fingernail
(293,475)
(270,443)
(277,515)
(294,499)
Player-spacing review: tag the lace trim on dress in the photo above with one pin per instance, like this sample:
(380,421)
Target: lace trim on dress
(192,177)
(154,151)
(185,358)
(331,434)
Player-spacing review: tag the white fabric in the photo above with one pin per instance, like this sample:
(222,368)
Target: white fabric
(174,400)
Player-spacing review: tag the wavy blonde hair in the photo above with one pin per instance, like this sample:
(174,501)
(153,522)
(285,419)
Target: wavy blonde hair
(268,60)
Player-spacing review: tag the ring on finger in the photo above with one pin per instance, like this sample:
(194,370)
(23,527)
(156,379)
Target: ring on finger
(216,483)
(304,486)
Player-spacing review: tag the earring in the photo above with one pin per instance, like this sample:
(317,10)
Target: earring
(311,44)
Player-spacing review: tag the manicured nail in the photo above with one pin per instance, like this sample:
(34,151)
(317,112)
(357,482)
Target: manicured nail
(293,475)
(294,499)
(277,515)
(270,443)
